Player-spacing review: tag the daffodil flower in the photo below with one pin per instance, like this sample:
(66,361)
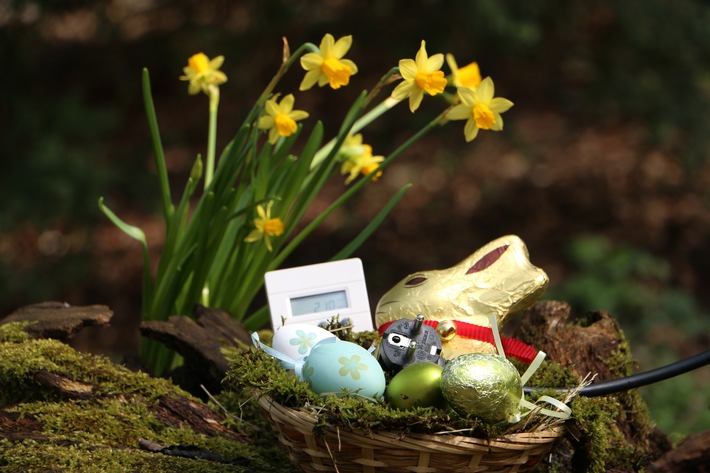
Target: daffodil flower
(203,73)
(328,66)
(480,109)
(358,159)
(467,76)
(421,74)
(266,227)
(280,118)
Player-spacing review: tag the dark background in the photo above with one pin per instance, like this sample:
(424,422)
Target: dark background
(602,167)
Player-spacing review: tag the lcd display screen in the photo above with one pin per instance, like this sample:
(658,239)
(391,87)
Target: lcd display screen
(319,303)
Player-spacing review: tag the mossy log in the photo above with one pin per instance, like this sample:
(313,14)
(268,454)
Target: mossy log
(593,343)
(61,410)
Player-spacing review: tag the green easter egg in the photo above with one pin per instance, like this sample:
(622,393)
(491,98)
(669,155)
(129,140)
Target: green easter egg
(416,385)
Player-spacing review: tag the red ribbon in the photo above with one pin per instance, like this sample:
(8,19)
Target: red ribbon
(511,346)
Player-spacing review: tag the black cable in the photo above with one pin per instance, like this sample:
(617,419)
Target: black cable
(640,379)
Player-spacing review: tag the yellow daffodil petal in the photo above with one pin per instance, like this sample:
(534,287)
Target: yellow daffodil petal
(273,134)
(298,115)
(266,122)
(286,104)
(342,46)
(311,61)
(500,105)
(415,99)
(459,112)
(260,210)
(467,96)
(485,90)
(216,63)
(194,88)
(402,90)
(253,236)
(408,69)
(351,65)
(326,45)
(469,75)
(309,80)
(272,108)
(435,62)
(470,130)
(421,58)
(498,126)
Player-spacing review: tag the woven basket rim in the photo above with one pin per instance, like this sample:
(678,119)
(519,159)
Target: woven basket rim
(305,423)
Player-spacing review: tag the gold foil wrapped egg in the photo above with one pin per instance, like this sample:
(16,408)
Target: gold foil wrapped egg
(483,385)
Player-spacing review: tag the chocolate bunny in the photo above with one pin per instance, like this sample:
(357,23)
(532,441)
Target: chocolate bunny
(497,279)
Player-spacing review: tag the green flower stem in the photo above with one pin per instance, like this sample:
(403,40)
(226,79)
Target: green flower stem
(361,123)
(211,135)
(391,76)
(287,60)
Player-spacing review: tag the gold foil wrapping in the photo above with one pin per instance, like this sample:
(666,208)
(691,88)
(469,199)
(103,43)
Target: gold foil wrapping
(486,386)
(498,278)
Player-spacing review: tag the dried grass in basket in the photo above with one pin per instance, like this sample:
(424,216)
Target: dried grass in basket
(343,451)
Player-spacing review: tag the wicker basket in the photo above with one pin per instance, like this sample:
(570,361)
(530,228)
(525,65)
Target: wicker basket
(343,451)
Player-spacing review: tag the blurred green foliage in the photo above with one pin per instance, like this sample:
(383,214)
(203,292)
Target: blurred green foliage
(636,287)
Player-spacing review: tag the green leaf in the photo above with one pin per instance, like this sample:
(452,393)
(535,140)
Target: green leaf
(157,146)
(137,234)
(372,226)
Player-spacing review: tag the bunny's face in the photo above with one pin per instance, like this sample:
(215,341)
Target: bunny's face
(496,279)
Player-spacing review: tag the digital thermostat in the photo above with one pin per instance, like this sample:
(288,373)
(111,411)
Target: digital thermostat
(316,293)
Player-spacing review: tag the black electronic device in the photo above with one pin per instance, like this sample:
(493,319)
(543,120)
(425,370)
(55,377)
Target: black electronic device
(408,341)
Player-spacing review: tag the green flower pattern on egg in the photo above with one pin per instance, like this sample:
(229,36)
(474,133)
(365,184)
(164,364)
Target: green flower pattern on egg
(351,366)
(304,341)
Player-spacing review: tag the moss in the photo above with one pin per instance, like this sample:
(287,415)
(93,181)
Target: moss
(31,456)
(14,332)
(256,372)
(21,361)
(100,433)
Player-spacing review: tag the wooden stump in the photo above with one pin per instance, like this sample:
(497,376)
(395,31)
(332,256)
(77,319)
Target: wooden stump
(59,320)
(593,343)
(200,342)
